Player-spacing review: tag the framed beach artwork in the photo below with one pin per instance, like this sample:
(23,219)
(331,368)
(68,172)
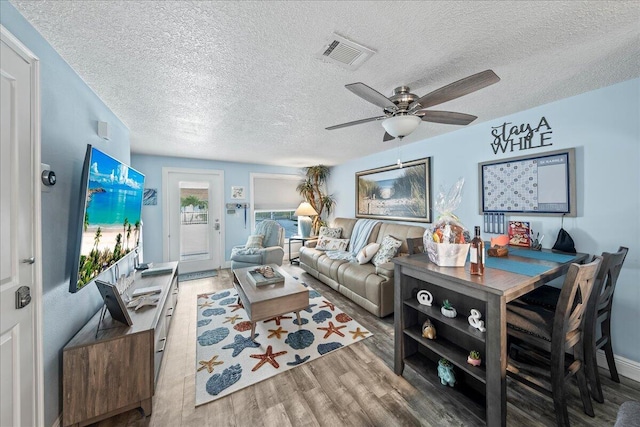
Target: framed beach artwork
(150,197)
(401,193)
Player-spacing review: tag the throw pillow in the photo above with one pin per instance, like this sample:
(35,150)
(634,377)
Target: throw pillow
(388,250)
(329,244)
(333,233)
(365,255)
(254,241)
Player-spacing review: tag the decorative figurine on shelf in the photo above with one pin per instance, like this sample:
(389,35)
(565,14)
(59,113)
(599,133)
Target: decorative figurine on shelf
(474,358)
(428,330)
(447,309)
(425,298)
(474,320)
(445,372)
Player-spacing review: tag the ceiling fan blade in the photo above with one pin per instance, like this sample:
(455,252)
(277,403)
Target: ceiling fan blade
(456,89)
(356,122)
(371,95)
(445,117)
(387,137)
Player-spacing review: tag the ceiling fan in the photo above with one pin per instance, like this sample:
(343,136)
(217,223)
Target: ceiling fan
(404,110)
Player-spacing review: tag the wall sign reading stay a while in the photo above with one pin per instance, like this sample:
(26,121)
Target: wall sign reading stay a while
(509,137)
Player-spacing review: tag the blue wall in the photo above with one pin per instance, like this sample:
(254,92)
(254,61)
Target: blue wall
(70,112)
(604,128)
(235,174)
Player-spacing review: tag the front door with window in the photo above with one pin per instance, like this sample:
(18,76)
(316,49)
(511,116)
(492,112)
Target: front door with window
(193,225)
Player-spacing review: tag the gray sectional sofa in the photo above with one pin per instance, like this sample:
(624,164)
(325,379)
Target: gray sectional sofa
(367,285)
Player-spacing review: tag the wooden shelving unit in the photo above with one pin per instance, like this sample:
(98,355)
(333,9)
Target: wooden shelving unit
(117,370)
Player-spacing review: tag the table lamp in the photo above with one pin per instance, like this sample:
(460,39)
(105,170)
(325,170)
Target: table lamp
(304,222)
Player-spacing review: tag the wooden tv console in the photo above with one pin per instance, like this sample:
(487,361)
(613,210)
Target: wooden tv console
(117,370)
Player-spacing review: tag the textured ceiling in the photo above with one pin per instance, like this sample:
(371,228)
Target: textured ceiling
(240,81)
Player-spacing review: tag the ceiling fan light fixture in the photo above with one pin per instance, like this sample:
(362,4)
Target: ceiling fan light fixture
(400,126)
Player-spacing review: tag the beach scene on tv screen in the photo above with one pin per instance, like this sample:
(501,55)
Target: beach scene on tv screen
(112,214)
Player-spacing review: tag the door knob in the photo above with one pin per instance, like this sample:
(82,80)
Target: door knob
(29,260)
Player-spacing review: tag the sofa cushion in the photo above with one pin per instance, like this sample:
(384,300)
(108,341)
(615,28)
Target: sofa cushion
(330,244)
(333,232)
(254,241)
(365,255)
(388,249)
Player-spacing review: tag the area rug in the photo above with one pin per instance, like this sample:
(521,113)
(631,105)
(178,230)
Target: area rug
(227,360)
(197,275)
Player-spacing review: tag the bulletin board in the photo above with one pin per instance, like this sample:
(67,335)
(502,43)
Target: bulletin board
(544,184)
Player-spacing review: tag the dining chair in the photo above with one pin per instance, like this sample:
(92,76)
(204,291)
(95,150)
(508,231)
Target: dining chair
(599,312)
(548,335)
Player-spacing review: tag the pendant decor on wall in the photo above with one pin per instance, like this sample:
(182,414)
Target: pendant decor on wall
(509,137)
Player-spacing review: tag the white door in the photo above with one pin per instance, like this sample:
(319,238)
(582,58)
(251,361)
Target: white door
(193,218)
(20,394)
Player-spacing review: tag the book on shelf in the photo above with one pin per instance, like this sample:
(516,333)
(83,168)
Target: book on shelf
(257,279)
(519,233)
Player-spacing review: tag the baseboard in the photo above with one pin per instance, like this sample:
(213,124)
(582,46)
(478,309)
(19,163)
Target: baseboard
(58,421)
(626,367)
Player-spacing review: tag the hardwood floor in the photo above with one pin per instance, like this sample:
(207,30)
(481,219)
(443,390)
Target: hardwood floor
(353,386)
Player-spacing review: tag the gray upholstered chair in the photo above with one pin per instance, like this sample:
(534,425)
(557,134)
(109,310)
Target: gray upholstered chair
(272,251)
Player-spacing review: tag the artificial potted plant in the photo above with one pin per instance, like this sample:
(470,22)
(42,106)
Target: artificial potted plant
(445,372)
(313,189)
(474,358)
(447,309)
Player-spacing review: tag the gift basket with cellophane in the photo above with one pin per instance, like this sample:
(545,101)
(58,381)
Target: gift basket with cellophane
(447,241)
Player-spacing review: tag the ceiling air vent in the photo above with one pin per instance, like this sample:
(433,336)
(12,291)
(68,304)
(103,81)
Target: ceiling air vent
(345,53)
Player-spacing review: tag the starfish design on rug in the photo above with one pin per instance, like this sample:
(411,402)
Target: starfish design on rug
(328,304)
(276,332)
(237,306)
(332,329)
(358,333)
(205,304)
(268,357)
(209,364)
(278,319)
(232,319)
(240,343)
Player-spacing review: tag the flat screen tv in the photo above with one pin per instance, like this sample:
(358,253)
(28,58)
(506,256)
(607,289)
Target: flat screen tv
(108,225)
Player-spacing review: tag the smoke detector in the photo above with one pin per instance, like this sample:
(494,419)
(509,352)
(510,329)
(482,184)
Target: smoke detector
(345,53)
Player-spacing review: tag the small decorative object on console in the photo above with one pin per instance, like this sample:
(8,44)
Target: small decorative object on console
(520,233)
(447,309)
(445,372)
(474,358)
(498,251)
(425,298)
(474,320)
(447,242)
(264,275)
(428,330)
(502,240)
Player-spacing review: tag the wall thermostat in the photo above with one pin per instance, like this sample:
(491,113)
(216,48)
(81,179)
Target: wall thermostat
(48,177)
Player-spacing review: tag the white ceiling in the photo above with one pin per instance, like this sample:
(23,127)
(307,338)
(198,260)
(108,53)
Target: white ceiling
(240,81)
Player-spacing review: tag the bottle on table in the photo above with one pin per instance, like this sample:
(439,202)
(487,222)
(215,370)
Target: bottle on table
(477,254)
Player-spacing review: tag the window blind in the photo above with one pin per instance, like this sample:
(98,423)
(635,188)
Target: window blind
(276,192)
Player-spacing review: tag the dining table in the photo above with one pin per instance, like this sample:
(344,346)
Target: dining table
(481,389)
